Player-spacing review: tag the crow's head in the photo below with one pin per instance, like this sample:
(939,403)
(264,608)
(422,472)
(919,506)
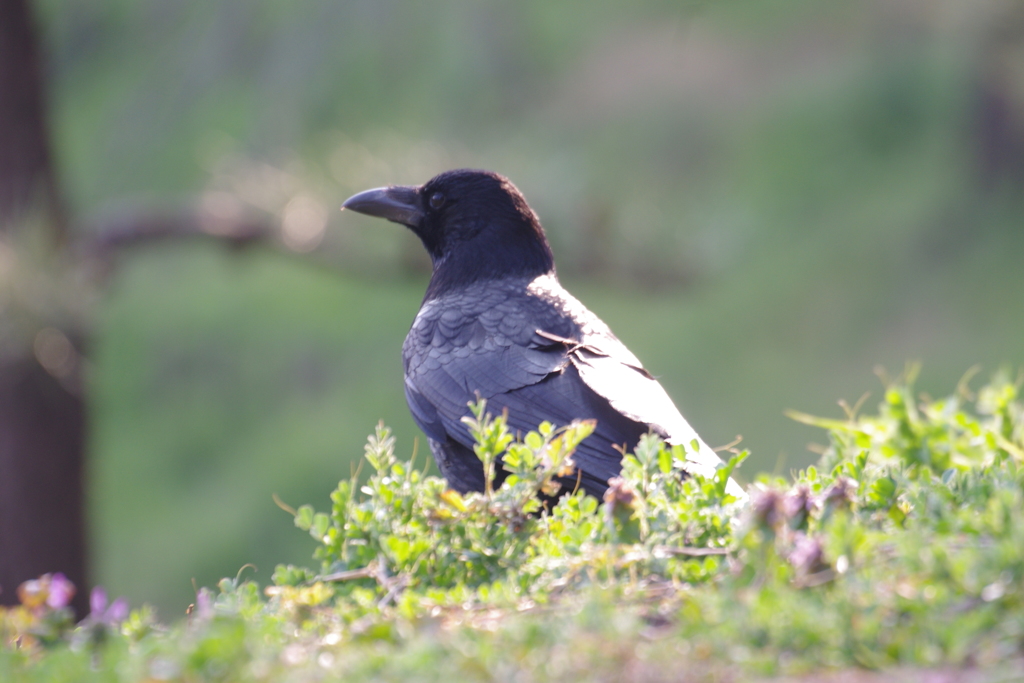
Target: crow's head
(475,225)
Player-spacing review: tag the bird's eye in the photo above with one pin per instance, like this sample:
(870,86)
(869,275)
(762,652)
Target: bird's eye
(436,200)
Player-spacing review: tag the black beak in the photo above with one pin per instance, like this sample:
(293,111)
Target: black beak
(398,203)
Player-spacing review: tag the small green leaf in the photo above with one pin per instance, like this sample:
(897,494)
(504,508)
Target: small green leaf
(319,526)
(665,461)
(304,517)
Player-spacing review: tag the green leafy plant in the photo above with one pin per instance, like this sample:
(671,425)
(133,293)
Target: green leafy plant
(402,533)
(903,546)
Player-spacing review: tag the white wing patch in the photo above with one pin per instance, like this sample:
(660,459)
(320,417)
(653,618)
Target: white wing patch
(633,392)
(612,371)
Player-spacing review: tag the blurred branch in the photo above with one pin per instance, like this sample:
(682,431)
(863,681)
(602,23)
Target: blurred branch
(105,239)
(145,227)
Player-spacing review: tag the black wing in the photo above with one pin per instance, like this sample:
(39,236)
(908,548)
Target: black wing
(478,342)
(531,348)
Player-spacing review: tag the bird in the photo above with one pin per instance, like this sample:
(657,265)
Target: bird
(496,323)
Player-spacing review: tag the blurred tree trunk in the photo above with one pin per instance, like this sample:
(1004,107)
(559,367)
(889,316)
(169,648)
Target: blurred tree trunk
(42,527)
(27,177)
(42,425)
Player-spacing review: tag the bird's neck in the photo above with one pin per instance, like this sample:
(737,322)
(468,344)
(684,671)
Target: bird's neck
(463,267)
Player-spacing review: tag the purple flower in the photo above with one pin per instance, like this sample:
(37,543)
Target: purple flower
(204,604)
(49,591)
(766,508)
(840,495)
(796,506)
(807,555)
(100,613)
(118,611)
(97,602)
(61,591)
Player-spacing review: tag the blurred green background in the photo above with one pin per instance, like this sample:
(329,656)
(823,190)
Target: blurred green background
(764,200)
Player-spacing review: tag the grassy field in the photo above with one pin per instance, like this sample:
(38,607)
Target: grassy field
(897,555)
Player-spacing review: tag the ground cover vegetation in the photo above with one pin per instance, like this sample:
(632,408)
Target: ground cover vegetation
(901,547)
